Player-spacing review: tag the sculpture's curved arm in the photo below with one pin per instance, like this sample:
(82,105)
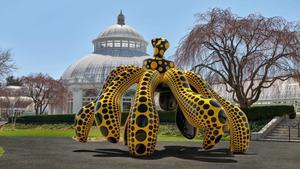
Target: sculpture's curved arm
(107,108)
(143,126)
(201,112)
(237,120)
(84,119)
(116,71)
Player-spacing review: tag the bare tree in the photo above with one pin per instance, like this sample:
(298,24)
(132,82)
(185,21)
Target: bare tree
(44,90)
(247,54)
(11,99)
(6,63)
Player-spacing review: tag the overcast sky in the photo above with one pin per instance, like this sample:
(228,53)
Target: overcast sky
(48,36)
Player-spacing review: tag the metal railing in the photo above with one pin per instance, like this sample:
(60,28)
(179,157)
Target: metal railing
(297,125)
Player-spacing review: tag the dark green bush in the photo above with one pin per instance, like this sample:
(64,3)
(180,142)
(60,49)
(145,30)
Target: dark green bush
(268,112)
(253,114)
(47,119)
(69,118)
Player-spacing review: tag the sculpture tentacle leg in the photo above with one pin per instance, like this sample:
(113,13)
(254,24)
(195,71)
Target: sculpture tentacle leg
(125,140)
(116,71)
(107,110)
(83,121)
(201,112)
(237,120)
(143,125)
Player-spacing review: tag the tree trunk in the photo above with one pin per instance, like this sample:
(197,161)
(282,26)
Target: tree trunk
(36,111)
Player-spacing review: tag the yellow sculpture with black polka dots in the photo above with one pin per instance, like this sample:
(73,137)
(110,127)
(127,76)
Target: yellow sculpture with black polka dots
(195,103)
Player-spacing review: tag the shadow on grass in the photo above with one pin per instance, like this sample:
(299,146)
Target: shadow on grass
(180,152)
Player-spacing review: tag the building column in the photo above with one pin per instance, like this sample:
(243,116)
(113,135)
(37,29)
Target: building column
(77,100)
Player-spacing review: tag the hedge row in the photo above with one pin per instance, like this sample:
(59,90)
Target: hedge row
(47,119)
(268,112)
(253,114)
(69,118)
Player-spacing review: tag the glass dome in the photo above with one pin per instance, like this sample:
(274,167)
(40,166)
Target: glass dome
(120,40)
(94,68)
(118,45)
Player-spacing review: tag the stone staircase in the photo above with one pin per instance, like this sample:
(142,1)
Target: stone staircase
(281,131)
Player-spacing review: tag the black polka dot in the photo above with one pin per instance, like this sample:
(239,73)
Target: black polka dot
(213,119)
(104,111)
(214,103)
(222,116)
(142,108)
(82,116)
(104,131)
(98,118)
(112,139)
(80,122)
(106,116)
(244,119)
(218,139)
(201,112)
(143,93)
(142,99)
(210,112)
(206,106)
(142,121)
(216,132)
(140,148)
(185,85)
(201,102)
(140,135)
(182,78)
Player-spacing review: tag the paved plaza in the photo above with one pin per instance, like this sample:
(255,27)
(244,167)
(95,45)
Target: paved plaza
(63,153)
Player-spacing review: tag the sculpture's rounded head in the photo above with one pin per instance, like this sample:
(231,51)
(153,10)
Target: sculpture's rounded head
(160,45)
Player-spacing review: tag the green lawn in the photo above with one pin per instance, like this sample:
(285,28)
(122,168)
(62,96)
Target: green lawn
(55,130)
(167,132)
(1,152)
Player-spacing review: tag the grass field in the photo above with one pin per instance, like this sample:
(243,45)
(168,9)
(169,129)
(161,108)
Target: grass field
(167,132)
(1,152)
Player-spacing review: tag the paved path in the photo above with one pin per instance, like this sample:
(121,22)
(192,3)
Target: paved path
(63,153)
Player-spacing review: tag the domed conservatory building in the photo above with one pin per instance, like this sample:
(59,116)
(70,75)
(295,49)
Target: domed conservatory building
(118,45)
